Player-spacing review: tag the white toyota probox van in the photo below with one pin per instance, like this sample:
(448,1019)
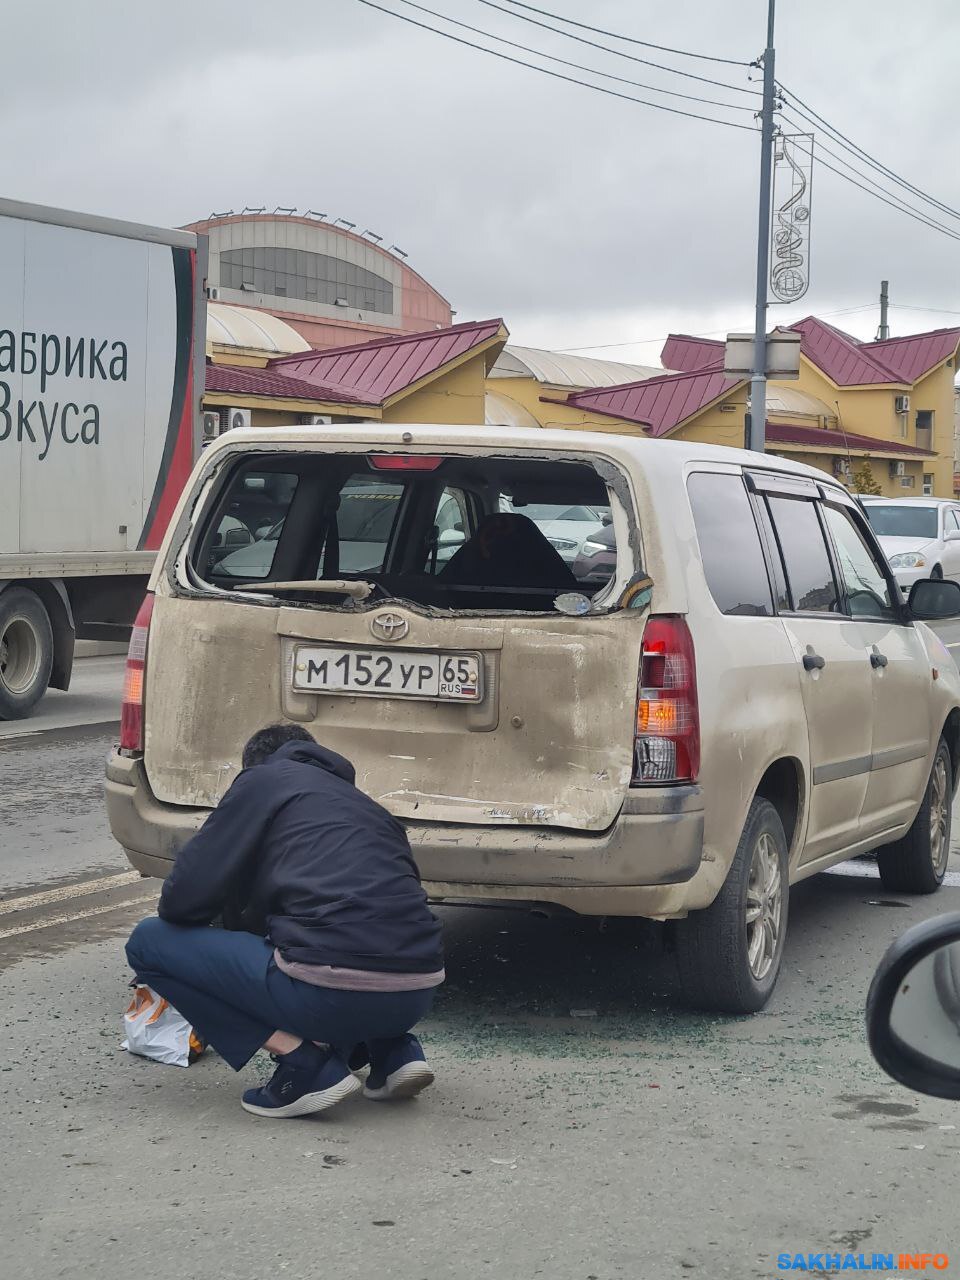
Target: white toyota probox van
(744,702)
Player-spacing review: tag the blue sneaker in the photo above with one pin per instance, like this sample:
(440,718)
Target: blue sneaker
(398,1069)
(308,1080)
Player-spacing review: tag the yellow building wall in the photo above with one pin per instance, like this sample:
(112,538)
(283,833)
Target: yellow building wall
(870,411)
(936,392)
(527,392)
(455,397)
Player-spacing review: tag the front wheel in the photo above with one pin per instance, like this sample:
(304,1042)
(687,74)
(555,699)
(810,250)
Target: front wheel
(917,862)
(729,954)
(26,652)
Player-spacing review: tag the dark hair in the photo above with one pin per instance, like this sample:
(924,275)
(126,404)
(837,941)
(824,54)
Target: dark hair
(269,739)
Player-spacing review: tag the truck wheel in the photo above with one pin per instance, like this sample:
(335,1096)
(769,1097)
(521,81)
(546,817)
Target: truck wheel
(917,863)
(729,954)
(26,652)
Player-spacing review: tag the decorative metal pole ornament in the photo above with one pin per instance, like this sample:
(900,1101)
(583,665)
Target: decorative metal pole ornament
(790,225)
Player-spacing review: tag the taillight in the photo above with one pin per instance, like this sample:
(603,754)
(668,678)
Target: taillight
(667,740)
(131,713)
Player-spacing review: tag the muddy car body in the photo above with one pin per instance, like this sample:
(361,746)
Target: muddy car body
(677,743)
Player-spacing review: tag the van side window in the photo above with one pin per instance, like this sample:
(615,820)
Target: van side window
(868,593)
(805,555)
(244,543)
(729,544)
(366,514)
(451,528)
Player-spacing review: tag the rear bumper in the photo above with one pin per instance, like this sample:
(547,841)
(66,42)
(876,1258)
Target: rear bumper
(639,866)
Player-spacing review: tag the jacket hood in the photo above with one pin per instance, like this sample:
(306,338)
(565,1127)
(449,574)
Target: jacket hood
(321,757)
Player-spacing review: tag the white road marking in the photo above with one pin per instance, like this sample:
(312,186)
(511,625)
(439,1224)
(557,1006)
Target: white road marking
(65,891)
(870,871)
(49,921)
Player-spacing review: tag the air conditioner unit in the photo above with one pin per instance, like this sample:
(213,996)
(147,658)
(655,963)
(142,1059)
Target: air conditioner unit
(902,404)
(316,420)
(841,467)
(897,469)
(211,424)
(237,418)
(213,293)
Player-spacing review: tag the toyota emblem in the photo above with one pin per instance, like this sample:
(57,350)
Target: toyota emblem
(389,626)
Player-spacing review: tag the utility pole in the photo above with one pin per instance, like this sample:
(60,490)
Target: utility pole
(758,377)
(884,330)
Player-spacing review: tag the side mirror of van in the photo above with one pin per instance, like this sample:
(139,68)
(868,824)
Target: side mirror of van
(451,538)
(934,598)
(913,1008)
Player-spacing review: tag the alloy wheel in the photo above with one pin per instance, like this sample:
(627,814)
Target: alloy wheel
(939,816)
(764,907)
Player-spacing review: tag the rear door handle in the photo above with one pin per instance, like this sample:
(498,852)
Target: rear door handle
(813,662)
(877,659)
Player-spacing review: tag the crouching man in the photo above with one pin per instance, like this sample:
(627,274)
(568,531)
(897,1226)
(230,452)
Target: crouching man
(330,955)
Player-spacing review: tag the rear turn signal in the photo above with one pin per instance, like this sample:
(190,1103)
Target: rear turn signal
(667,741)
(131,712)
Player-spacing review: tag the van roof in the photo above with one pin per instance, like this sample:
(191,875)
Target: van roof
(657,455)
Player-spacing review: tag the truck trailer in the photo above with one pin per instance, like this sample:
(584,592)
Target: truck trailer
(102,352)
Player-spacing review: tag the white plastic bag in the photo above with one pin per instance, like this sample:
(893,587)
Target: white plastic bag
(155,1030)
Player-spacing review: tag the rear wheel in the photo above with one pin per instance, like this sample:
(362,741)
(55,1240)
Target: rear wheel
(918,862)
(729,955)
(26,652)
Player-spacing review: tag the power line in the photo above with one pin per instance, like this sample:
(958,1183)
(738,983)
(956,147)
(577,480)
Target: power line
(887,197)
(934,311)
(929,219)
(578,66)
(686,53)
(662,337)
(812,117)
(556,75)
(934,226)
(619,53)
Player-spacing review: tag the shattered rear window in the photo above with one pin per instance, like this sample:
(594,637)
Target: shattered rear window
(448,532)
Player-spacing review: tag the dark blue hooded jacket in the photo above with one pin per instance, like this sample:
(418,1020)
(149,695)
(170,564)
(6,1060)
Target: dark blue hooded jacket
(296,853)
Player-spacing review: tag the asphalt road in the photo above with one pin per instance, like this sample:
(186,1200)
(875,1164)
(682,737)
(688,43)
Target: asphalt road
(582,1124)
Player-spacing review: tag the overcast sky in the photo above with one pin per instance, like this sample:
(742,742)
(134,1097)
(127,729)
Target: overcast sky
(579,218)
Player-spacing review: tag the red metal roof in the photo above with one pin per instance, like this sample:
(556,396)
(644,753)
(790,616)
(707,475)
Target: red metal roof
(680,351)
(659,403)
(782,433)
(376,370)
(265,382)
(844,359)
(910,358)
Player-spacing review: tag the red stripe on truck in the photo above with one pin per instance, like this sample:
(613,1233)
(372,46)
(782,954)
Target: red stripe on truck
(177,461)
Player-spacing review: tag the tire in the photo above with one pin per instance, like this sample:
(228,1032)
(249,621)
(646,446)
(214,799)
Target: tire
(917,863)
(26,652)
(714,945)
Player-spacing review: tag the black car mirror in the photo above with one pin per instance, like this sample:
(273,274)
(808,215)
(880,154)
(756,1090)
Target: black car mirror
(934,598)
(913,1008)
(606,519)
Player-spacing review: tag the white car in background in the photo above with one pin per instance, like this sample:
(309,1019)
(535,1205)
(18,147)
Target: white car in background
(920,536)
(566,528)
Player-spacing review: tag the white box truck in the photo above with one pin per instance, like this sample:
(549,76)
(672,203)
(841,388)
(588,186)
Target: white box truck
(102,352)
